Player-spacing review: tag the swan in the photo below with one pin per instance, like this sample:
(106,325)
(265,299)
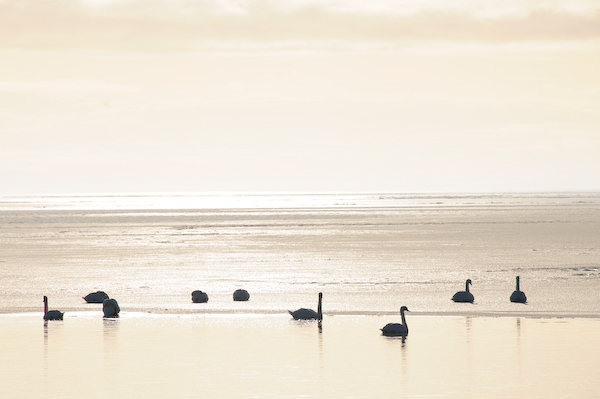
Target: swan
(518,295)
(397,329)
(241,295)
(110,307)
(309,314)
(464,296)
(199,296)
(51,314)
(96,297)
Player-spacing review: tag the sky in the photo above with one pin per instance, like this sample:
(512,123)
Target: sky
(132,96)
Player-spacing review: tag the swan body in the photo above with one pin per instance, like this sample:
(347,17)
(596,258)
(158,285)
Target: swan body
(464,296)
(518,295)
(241,295)
(304,314)
(397,329)
(309,314)
(51,314)
(199,296)
(96,297)
(110,307)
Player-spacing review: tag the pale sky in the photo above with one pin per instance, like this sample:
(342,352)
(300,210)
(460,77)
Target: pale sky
(117,96)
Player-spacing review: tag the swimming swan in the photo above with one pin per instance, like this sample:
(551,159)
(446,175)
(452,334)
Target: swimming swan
(241,295)
(52,314)
(309,314)
(199,296)
(96,297)
(397,329)
(464,296)
(518,295)
(110,307)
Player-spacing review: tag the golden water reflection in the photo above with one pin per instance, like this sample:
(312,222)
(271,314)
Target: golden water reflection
(233,356)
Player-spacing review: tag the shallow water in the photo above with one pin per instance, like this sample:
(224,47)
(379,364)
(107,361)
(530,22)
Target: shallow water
(272,356)
(368,254)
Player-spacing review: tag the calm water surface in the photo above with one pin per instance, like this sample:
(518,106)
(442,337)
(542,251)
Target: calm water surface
(270,356)
(369,254)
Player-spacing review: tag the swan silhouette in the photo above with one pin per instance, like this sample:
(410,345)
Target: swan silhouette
(309,314)
(199,296)
(96,297)
(518,295)
(241,295)
(51,314)
(397,329)
(464,296)
(110,307)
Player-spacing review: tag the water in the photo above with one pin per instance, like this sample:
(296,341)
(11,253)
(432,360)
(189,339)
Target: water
(270,356)
(368,253)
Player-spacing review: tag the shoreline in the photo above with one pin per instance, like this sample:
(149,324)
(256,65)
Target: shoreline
(228,313)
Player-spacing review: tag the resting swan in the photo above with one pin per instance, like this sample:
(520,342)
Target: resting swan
(110,307)
(199,296)
(397,329)
(464,296)
(51,314)
(518,295)
(96,297)
(309,314)
(241,295)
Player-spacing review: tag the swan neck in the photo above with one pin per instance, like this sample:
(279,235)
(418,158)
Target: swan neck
(467,286)
(45,305)
(403,318)
(319,310)
(518,285)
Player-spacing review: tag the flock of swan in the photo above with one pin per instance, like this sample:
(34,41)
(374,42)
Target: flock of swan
(110,307)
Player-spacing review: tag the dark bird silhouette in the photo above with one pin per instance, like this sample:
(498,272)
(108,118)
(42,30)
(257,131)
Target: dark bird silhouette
(464,296)
(397,329)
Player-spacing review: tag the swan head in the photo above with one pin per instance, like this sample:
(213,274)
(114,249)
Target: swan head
(320,295)
(45,298)
(404,309)
(469,282)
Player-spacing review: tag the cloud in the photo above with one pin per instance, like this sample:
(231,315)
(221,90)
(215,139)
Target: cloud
(177,25)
